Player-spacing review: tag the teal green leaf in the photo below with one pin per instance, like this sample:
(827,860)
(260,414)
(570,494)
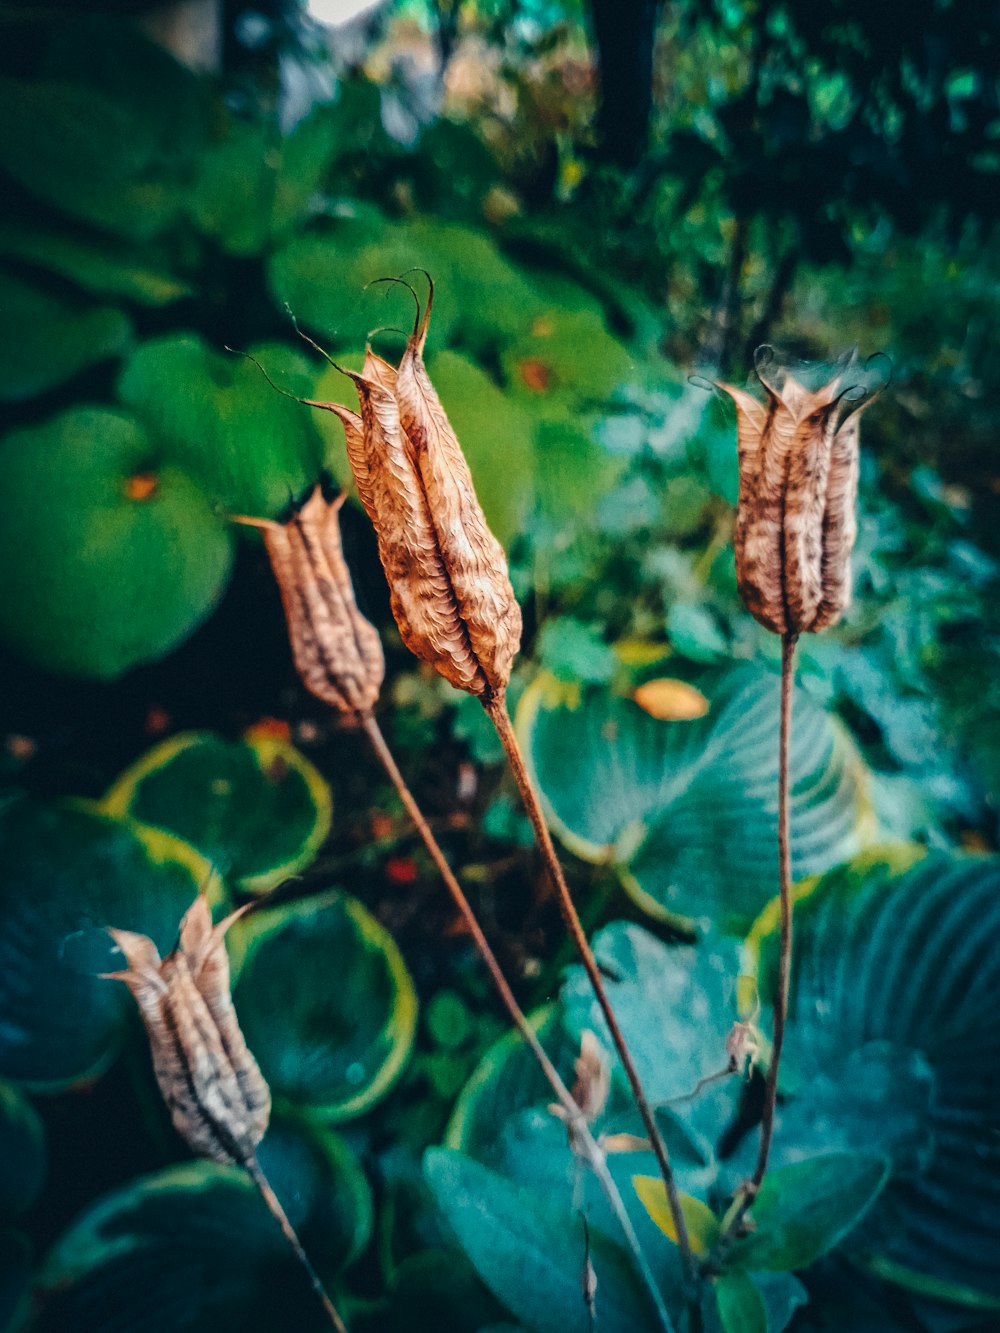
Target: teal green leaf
(572,471)
(437,1289)
(695,633)
(805,1209)
(256,808)
(574,651)
(96,264)
(496,436)
(326,1004)
(15,1280)
(216,416)
(740,1305)
(49,339)
(896,969)
(530,1254)
(191,1249)
(688,809)
(109,132)
(67,872)
(22,1151)
(109,554)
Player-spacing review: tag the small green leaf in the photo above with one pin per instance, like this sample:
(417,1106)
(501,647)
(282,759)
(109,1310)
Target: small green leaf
(702,1224)
(109,555)
(573,651)
(256,808)
(22,1151)
(740,1305)
(96,264)
(326,1004)
(804,1210)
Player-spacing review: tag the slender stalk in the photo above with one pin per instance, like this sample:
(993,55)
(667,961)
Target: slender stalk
(576,1123)
(274,1205)
(780,1002)
(496,709)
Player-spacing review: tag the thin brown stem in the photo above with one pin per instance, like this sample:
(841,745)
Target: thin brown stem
(274,1205)
(496,708)
(576,1123)
(780,1000)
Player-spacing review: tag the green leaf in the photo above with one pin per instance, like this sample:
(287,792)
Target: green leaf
(48,339)
(496,436)
(326,1004)
(530,1254)
(191,1249)
(22,1151)
(805,1209)
(256,808)
(739,1304)
(894,981)
(688,809)
(109,555)
(216,416)
(568,356)
(694,632)
(96,264)
(231,199)
(67,872)
(702,1224)
(573,651)
(15,1281)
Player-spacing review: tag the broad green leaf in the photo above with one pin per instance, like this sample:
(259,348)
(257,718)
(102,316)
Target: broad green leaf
(326,1004)
(572,470)
(191,1249)
(231,199)
(96,264)
(574,651)
(49,339)
(436,1289)
(109,131)
(67,872)
(688,809)
(496,436)
(740,1305)
(702,1224)
(22,1151)
(109,554)
(805,1209)
(256,808)
(530,1254)
(569,357)
(215,415)
(894,981)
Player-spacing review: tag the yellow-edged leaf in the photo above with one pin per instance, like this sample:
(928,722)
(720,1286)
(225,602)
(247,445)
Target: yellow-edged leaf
(702,1225)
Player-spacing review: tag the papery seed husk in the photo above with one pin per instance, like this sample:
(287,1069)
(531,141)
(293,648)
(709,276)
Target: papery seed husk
(337,652)
(840,524)
(474,559)
(808,464)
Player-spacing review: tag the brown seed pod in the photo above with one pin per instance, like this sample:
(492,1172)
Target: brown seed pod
(218,1100)
(798,466)
(337,652)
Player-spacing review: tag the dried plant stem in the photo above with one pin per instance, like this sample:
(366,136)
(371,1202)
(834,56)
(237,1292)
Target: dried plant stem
(576,1123)
(496,708)
(274,1205)
(780,1003)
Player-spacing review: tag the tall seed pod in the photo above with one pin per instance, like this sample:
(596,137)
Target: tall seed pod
(337,652)
(798,466)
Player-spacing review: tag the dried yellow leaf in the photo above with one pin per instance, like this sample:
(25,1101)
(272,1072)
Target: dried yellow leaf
(670,700)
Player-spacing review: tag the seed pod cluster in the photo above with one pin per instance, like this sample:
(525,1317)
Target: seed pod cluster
(449,586)
(798,467)
(218,1100)
(337,652)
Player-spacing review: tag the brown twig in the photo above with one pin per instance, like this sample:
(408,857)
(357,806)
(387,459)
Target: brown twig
(274,1205)
(496,709)
(575,1119)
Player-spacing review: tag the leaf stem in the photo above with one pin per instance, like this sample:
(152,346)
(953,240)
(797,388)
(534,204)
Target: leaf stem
(576,1123)
(496,709)
(274,1205)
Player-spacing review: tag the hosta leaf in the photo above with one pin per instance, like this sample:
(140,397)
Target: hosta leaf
(805,1209)
(22,1151)
(256,808)
(191,1249)
(49,339)
(68,869)
(326,1004)
(896,965)
(215,415)
(688,809)
(109,554)
(530,1254)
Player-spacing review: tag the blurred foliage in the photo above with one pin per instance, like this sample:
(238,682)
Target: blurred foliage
(814,175)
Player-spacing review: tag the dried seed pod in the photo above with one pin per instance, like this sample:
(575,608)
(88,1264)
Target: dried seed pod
(218,1100)
(592,1084)
(798,465)
(337,651)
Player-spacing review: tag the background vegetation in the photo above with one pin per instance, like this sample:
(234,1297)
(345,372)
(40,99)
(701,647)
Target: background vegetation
(611,199)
